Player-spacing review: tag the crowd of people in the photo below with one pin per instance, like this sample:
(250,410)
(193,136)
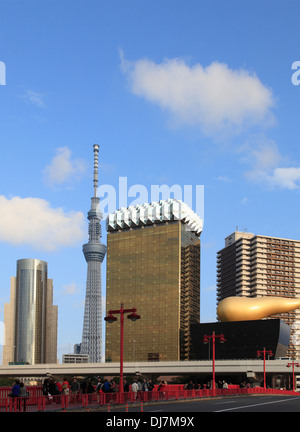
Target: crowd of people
(209,385)
(53,387)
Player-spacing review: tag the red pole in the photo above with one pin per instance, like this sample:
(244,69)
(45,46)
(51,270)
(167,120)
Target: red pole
(297,365)
(206,339)
(121,387)
(214,354)
(264,352)
(110,318)
(265,384)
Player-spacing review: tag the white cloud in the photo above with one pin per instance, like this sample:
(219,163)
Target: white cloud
(285,178)
(70,289)
(214,97)
(266,167)
(224,179)
(263,156)
(34,98)
(217,99)
(64,169)
(34,222)
(245,201)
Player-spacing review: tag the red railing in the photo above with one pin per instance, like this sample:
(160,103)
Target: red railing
(32,390)
(37,402)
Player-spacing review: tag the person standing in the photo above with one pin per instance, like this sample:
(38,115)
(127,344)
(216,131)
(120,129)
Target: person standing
(99,385)
(134,389)
(46,387)
(126,386)
(15,390)
(59,390)
(59,387)
(65,387)
(75,387)
(23,390)
(150,388)
(23,394)
(150,385)
(225,385)
(161,389)
(90,390)
(106,388)
(53,390)
(99,389)
(145,385)
(84,387)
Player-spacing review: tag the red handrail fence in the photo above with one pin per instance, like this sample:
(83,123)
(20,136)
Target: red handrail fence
(36,401)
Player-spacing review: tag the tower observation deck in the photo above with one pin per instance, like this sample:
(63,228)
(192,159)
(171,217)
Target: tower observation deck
(94,253)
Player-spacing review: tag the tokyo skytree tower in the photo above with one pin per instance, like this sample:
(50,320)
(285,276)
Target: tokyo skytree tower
(94,252)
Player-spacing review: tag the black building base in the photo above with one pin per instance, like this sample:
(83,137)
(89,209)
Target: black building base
(243,339)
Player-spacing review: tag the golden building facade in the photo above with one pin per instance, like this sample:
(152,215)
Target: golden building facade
(155,268)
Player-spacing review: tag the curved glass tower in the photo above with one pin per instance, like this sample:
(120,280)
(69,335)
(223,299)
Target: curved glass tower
(94,252)
(31,318)
(31,300)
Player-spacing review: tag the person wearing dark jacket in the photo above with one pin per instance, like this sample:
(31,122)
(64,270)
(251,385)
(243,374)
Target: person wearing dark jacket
(90,389)
(126,386)
(53,390)
(15,390)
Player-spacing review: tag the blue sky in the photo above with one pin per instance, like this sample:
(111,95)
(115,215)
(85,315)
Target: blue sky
(175,92)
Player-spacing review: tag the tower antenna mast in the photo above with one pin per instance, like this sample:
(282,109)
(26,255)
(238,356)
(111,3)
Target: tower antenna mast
(96,151)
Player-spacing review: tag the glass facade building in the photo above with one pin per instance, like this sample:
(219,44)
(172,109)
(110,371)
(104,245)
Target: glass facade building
(153,264)
(30,318)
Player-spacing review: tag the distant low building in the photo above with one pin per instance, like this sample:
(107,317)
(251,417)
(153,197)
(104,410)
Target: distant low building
(75,358)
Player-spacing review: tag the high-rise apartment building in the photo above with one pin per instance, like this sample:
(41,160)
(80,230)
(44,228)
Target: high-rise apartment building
(256,265)
(30,319)
(94,252)
(153,264)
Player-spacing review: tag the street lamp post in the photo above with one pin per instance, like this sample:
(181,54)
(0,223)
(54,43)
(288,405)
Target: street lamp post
(213,337)
(264,352)
(293,364)
(110,318)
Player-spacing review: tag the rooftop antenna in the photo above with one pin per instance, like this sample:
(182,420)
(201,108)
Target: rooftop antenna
(96,151)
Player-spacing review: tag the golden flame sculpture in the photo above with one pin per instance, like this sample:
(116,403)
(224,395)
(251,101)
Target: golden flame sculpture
(254,308)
